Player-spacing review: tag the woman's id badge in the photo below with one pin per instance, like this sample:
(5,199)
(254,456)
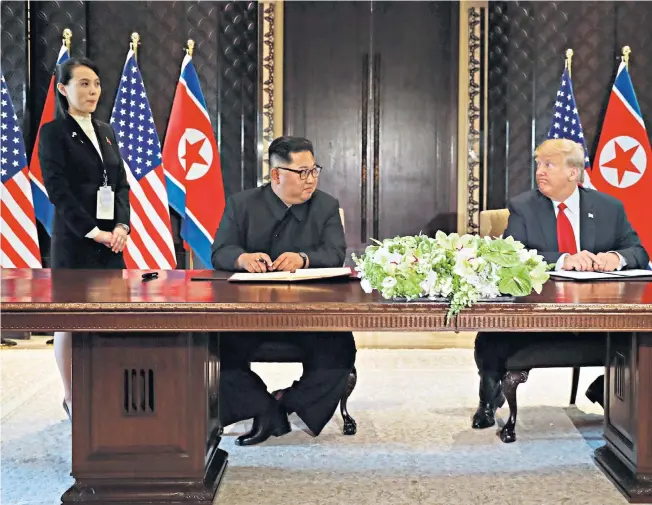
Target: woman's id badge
(105,203)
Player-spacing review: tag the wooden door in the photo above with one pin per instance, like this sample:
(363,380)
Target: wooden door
(414,132)
(326,79)
(373,85)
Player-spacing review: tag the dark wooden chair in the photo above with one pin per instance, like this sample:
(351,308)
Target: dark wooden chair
(582,349)
(493,224)
(283,352)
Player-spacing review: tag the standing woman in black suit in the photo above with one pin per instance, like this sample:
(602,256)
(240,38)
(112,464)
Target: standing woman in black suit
(86,181)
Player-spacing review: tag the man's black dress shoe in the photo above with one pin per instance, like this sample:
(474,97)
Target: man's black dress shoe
(595,391)
(491,399)
(485,415)
(274,423)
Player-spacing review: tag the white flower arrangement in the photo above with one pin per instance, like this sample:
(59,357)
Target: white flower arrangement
(462,269)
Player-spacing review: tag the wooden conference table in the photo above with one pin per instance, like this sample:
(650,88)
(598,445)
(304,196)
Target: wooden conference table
(145,384)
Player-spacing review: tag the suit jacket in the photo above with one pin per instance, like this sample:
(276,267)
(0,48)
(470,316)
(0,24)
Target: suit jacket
(256,220)
(73,173)
(603,226)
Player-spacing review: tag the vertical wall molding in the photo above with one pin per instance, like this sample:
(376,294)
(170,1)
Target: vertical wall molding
(271,78)
(472,115)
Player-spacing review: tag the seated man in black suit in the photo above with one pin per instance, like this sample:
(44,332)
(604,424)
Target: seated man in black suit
(282,226)
(573,228)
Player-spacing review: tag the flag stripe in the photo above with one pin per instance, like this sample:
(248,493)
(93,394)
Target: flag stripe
(199,225)
(148,202)
(5,260)
(22,226)
(155,246)
(192,96)
(133,254)
(17,197)
(629,107)
(16,246)
(17,236)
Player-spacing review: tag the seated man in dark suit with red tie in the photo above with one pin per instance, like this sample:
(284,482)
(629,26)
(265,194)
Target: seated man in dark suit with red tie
(574,228)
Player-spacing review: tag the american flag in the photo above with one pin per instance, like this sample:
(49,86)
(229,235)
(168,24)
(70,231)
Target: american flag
(19,240)
(150,245)
(565,122)
(43,208)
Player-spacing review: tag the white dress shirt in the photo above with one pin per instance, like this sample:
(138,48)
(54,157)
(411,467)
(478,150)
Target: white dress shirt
(86,125)
(572,212)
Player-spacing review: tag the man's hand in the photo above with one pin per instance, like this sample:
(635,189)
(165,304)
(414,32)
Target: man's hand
(288,262)
(606,262)
(104,237)
(251,262)
(582,262)
(119,239)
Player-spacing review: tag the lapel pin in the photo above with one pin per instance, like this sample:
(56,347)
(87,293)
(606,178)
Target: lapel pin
(74,134)
(108,141)
(590,216)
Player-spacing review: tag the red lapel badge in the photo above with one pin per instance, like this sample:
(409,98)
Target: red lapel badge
(108,141)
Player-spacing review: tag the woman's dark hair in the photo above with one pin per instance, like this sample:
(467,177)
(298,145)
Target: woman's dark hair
(64,74)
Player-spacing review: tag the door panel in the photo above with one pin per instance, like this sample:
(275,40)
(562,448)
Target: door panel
(417,44)
(325,43)
(374,86)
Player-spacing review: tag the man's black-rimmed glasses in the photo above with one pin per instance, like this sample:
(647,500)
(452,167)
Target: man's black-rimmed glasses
(303,174)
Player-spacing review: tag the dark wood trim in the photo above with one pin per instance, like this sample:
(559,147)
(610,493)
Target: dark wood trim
(364,148)
(389,317)
(376,146)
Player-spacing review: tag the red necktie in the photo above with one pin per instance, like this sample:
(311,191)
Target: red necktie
(565,233)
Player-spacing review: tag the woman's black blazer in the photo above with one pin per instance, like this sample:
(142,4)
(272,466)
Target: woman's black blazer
(73,173)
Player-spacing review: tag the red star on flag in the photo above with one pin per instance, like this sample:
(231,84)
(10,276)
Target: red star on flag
(622,162)
(193,155)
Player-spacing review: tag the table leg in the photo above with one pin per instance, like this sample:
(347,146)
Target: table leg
(143,431)
(627,456)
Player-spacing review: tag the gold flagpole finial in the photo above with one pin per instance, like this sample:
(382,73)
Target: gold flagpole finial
(569,60)
(191,47)
(67,35)
(135,41)
(626,51)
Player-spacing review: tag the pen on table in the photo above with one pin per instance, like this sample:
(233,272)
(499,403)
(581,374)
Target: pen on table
(263,260)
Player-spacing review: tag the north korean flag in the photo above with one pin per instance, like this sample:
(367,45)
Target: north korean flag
(621,166)
(192,166)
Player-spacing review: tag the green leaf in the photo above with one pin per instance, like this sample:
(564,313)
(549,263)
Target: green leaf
(502,253)
(515,281)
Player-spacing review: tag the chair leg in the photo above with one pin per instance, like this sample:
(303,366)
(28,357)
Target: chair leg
(574,385)
(350,426)
(511,380)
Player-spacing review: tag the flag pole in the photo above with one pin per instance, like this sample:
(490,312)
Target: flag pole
(569,60)
(626,51)
(189,50)
(135,40)
(67,36)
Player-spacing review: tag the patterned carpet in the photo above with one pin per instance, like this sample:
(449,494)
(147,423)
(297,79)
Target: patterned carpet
(414,443)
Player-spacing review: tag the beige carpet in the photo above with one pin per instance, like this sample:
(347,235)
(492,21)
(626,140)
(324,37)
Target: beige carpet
(414,444)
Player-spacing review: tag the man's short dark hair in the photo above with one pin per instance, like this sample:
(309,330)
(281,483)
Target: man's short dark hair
(281,149)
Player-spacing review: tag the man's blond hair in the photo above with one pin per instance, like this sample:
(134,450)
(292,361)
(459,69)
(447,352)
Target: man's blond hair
(572,152)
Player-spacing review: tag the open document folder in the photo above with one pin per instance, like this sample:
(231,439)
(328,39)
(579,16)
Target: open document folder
(299,275)
(621,275)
